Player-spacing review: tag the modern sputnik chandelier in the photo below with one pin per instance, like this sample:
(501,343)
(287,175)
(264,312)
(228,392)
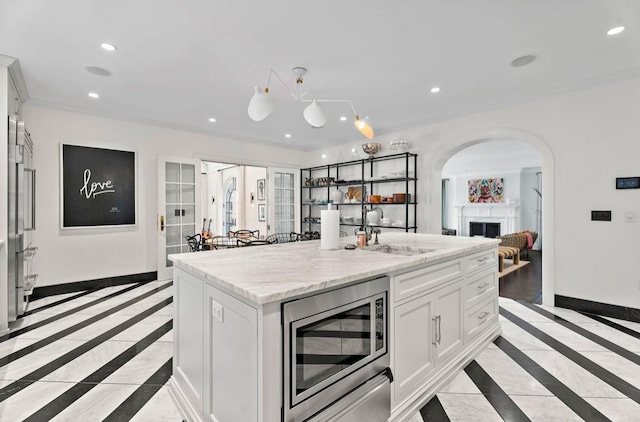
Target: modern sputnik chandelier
(262,104)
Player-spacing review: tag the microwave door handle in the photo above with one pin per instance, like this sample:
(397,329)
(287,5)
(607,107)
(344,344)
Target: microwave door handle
(33,199)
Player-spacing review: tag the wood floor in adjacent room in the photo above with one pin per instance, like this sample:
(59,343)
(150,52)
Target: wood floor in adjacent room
(105,355)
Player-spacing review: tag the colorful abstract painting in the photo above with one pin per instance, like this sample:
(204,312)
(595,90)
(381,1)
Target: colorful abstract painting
(485,190)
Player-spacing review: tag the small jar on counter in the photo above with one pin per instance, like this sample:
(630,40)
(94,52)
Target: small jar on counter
(361,237)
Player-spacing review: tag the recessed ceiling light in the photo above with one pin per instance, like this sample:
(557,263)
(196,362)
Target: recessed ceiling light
(108,47)
(212,120)
(324,156)
(523,61)
(435,89)
(616,30)
(343,118)
(95,70)
(94,95)
(287,135)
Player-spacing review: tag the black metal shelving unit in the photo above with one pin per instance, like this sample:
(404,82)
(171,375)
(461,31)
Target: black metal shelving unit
(370,181)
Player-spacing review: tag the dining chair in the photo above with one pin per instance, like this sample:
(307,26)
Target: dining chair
(194,242)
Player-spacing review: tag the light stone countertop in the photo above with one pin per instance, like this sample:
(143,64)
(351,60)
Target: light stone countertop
(269,273)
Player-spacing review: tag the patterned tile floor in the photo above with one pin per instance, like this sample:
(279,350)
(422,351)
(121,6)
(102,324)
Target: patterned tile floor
(105,355)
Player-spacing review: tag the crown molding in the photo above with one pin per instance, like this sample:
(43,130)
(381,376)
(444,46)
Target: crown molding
(15,76)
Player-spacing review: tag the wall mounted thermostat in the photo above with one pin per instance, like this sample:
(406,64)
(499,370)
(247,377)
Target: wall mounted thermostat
(627,182)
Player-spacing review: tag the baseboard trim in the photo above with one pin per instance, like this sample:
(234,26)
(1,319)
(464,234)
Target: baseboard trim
(603,309)
(78,286)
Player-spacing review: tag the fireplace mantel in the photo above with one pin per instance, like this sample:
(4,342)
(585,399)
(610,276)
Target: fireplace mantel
(507,215)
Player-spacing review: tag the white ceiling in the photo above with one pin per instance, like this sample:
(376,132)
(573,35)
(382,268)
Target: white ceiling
(179,63)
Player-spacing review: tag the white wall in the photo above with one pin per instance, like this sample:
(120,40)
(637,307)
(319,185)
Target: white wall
(5,98)
(75,255)
(586,138)
(529,212)
(251,176)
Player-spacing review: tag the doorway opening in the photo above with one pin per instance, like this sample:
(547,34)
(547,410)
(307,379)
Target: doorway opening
(514,211)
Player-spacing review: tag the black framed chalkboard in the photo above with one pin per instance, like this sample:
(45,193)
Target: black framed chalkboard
(98,187)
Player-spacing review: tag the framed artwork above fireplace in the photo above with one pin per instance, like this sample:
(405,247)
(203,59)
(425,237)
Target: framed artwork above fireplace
(486,190)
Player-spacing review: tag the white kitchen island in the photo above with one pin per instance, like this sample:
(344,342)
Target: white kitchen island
(228,324)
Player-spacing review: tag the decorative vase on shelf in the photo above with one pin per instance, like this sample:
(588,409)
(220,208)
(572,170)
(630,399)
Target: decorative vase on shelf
(337,196)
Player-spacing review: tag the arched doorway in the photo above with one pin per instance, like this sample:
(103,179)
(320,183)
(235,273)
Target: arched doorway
(508,172)
(435,162)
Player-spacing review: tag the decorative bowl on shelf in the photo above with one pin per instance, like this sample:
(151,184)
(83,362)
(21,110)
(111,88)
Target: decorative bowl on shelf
(401,145)
(371,148)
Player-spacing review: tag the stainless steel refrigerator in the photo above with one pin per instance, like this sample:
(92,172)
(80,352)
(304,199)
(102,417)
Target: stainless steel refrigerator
(22,218)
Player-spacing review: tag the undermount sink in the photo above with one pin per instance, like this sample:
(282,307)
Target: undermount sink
(397,250)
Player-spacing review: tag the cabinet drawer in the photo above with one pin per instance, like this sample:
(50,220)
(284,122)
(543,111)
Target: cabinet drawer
(414,282)
(480,260)
(478,318)
(480,286)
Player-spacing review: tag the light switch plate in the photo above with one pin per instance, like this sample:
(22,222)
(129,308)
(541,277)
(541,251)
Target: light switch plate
(630,217)
(217,310)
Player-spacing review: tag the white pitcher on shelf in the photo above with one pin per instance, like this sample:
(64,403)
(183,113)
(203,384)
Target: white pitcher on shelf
(337,196)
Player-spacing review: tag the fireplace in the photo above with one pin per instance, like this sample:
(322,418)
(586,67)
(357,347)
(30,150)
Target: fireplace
(478,228)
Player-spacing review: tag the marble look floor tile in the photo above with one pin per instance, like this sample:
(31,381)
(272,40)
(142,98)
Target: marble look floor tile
(15,344)
(468,408)
(546,409)
(106,291)
(141,367)
(461,384)
(97,404)
(619,410)
(509,375)
(129,310)
(525,313)
(67,306)
(30,399)
(570,338)
(167,337)
(568,314)
(616,364)
(32,361)
(416,418)
(629,324)
(615,336)
(87,363)
(142,328)
(145,288)
(161,408)
(99,327)
(492,346)
(522,339)
(581,381)
(39,303)
(52,328)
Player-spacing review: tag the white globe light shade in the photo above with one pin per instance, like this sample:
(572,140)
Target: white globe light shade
(261,105)
(315,114)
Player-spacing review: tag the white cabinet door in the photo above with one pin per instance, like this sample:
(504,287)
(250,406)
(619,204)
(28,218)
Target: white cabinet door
(188,334)
(413,336)
(231,358)
(449,322)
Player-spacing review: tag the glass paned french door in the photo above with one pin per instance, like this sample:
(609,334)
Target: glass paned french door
(284,206)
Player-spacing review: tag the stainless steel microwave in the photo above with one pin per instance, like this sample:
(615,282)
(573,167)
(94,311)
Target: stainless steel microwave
(334,342)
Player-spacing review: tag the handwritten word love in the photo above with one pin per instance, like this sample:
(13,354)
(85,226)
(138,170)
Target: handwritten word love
(97,188)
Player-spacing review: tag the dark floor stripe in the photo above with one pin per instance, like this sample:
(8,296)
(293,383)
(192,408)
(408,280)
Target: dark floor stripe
(612,324)
(57,317)
(501,402)
(60,334)
(633,357)
(142,395)
(566,395)
(67,398)
(610,378)
(56,364)
(433,411)
(81,294)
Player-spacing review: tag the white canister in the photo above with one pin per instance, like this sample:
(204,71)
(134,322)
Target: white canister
(337,196)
